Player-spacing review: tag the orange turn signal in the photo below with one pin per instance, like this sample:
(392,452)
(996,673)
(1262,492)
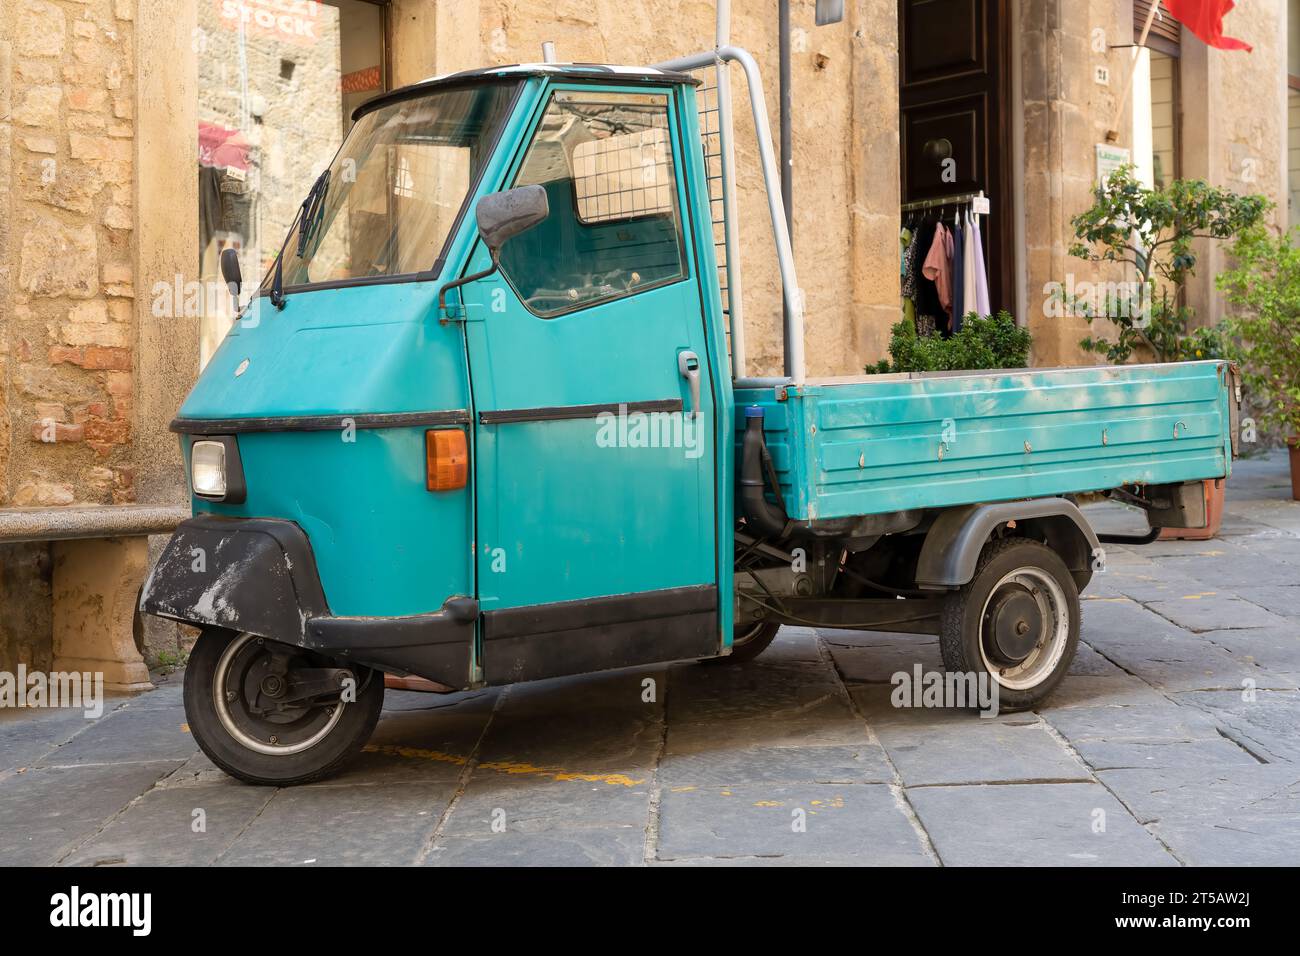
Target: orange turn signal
(446,459)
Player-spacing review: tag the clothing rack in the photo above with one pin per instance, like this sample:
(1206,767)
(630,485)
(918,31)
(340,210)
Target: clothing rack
(959,200)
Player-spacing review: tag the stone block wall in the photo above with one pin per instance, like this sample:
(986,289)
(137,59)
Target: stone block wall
(67,289)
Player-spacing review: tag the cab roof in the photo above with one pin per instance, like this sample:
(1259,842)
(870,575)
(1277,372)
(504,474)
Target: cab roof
(582,71)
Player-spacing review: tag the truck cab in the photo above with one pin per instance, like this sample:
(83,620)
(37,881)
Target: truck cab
(485,421)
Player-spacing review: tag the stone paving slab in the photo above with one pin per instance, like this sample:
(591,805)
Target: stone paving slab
(1225,567)
(1170,658)
(162,828)
(592,846)
(594,723)
(1034,825)
(953,747)
(1283,601)
(1274,649)
(46,813)
(878,663)
(368,825)
(1228,816)
(714,708)
(1197,615)
(1119,689)
(1267,724)
(861,825)
(864,763)
(128,733)
(540,803)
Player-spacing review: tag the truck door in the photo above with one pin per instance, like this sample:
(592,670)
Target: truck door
(594,404)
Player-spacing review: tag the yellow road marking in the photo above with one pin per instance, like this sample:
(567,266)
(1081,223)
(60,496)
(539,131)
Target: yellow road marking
(504,766)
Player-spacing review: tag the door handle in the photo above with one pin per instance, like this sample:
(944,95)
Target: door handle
(688,364)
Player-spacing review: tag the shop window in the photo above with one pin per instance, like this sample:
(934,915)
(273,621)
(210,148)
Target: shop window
(277,85)
(606,162)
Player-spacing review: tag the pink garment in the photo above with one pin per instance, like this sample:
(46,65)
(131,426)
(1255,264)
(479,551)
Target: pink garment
(938,265)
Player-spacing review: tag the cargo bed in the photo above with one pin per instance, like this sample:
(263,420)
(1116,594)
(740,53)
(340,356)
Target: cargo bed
(881,443)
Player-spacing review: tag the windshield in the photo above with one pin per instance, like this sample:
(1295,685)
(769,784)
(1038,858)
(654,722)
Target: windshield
(386,205)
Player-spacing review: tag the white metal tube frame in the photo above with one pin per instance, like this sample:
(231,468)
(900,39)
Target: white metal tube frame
(794,362)
(730,215)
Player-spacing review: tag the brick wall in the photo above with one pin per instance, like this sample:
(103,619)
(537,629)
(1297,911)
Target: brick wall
(68,288)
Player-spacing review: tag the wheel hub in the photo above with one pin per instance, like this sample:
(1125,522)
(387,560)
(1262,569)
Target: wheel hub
(253,691)
(1013,624)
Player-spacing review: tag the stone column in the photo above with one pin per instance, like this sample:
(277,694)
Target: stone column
(96,586)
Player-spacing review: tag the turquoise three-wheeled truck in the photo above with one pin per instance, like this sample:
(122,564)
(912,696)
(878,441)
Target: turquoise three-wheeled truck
(487,420)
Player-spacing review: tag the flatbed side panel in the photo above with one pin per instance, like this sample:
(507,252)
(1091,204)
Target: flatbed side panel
(867,447)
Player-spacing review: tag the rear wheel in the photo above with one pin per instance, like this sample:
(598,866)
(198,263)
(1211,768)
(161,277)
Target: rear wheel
(271,713)
(748,643)
(1017,621)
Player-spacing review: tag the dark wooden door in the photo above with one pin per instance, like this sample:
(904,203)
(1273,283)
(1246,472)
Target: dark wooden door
(954,105)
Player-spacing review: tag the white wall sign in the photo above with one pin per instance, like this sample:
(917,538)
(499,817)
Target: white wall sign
(1109,159)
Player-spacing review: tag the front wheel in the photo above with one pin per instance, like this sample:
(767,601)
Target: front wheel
(274,714)
(1017,622)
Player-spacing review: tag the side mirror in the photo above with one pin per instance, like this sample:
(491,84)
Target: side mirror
(230,270)
(502,216)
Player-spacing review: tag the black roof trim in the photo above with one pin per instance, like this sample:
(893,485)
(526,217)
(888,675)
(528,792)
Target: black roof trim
(566,71)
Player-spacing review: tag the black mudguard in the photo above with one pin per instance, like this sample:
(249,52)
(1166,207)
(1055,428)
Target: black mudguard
(259,576)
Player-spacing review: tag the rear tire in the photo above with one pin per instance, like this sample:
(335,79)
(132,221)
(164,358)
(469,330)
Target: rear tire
(296,744)
(1017,621)
(748,644)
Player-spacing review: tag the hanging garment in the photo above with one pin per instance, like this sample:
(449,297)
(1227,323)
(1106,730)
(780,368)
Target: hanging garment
(981,272)
(959,299)
(928,306)
(938,266)
(910,264)
(969,270)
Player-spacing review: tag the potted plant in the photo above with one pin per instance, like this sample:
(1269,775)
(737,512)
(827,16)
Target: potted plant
(1264,290)
(1153,231)
(992,342)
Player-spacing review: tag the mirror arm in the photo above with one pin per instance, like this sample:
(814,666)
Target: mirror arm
(464,280)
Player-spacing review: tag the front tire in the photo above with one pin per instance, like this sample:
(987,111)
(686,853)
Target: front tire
(236,720)
(1017,622)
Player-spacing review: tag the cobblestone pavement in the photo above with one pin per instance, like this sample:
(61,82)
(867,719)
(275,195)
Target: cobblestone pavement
(1172,741)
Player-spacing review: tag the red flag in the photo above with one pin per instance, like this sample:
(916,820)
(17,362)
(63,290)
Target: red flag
(1205,19)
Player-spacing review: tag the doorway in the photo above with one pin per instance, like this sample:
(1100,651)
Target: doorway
(954,70)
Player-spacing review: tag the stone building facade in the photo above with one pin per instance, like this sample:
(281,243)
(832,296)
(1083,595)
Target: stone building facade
(101,101)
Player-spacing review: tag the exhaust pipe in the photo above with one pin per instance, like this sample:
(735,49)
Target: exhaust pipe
(761,515)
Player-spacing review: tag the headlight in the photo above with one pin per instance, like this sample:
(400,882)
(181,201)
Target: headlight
(208,469)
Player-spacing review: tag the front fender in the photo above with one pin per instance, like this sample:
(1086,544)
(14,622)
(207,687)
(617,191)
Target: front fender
(255,575)
(258,576)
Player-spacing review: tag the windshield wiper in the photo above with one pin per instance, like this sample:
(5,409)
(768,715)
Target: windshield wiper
(308,218)
(313,210)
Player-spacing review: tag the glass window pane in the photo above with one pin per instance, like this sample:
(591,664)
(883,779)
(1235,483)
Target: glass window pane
(606,162)
(388,202)
(1164,118)
(277,83)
